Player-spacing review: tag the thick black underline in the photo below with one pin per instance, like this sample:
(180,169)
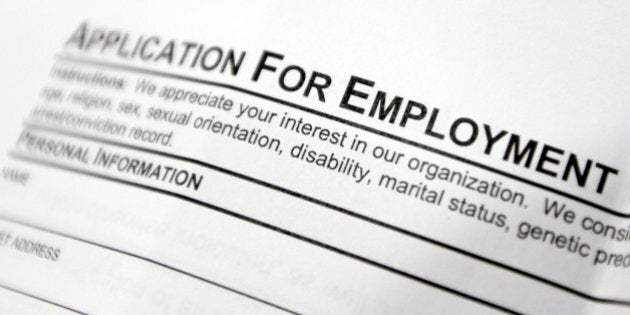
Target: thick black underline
(76,59)
(270,227)
(40,299)
(146,259)
(37,126)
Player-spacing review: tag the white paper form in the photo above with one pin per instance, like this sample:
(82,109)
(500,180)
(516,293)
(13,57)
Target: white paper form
(279,157)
